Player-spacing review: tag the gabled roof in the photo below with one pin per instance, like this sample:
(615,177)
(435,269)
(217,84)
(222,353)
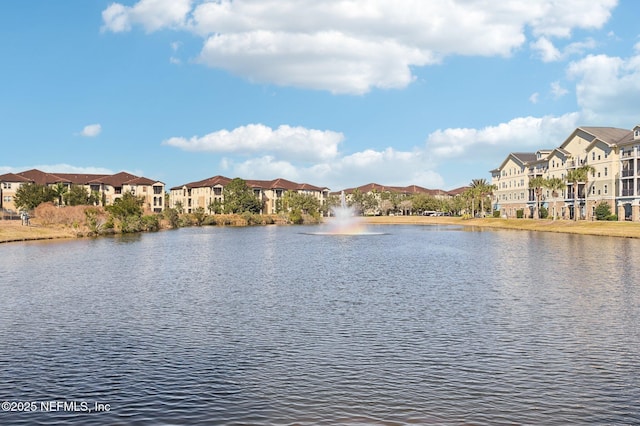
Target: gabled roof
(43,178)
(81,179)
(206,183)
(458,191)
(12,177)
(608,135)
(278,183)
(523,158)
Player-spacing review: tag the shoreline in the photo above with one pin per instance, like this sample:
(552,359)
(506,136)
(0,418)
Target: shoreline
(581,227)
(12,231)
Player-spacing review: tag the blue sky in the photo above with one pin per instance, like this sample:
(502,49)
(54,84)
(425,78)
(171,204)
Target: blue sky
(335,93)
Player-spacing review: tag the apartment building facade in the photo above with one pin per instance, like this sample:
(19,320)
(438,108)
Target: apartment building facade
(613,155)
(208,193)
(110,187)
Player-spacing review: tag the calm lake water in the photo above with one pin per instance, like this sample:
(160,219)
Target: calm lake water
(271,325)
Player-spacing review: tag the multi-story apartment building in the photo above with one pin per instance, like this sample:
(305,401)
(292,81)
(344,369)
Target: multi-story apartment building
(209,192)
(110,187)
(612,154)
(404,208)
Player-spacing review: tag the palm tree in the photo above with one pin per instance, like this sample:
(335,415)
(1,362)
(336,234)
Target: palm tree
(537,183)
(59,189)
(482,189)
(575,177)
(555,184)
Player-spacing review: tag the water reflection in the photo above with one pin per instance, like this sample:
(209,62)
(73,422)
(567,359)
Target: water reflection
(268,325)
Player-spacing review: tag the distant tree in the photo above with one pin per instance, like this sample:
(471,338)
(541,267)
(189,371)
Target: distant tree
(199,215)
(179,207)
(77,195)
(575,177)
(171,214)
(482,189)
(304,203)
(390,201)
(59,190)
(555,185)
(536,184)
(426,202)
(126,206)
(215,206)
(239,198)
(31,195)
(356,200)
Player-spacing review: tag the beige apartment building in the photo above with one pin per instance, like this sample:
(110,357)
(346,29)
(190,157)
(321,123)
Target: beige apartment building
(209,192)
(613,154)
(110,187)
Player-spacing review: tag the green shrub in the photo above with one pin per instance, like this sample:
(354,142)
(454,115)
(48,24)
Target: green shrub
(210,220)
(520,213)
(544,212)
(173,217)
(613,217)
(603,211)
(150,223)
(295,217)
(496,213)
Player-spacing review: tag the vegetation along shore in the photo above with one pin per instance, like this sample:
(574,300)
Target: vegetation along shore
(14,231)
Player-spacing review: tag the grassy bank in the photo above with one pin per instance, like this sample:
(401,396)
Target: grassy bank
(12,230)
(603,228)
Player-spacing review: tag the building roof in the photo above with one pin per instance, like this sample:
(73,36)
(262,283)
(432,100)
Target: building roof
(12,177)
(411,189)
(278,183)
(44,178)
(610,135)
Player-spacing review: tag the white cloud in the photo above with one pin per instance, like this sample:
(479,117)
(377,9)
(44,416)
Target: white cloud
(353,46)
(91,131)
(153,15)
(470,147)
(400,168)
(288,142)
(534,98)
(557,90)
(547,52)
(518,134)
(608,89)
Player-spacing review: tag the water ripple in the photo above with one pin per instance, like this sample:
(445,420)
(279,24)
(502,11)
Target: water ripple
(417,325)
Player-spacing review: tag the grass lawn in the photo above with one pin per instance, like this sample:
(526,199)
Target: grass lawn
(12,230)
(613,229)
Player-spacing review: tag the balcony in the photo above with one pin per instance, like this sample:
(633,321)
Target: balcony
(627,173)
(627,192)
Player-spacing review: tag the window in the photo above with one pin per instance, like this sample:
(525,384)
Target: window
(605,189)
(593,156)
(606,171)
(6,185)
(157,190)
(7,198)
